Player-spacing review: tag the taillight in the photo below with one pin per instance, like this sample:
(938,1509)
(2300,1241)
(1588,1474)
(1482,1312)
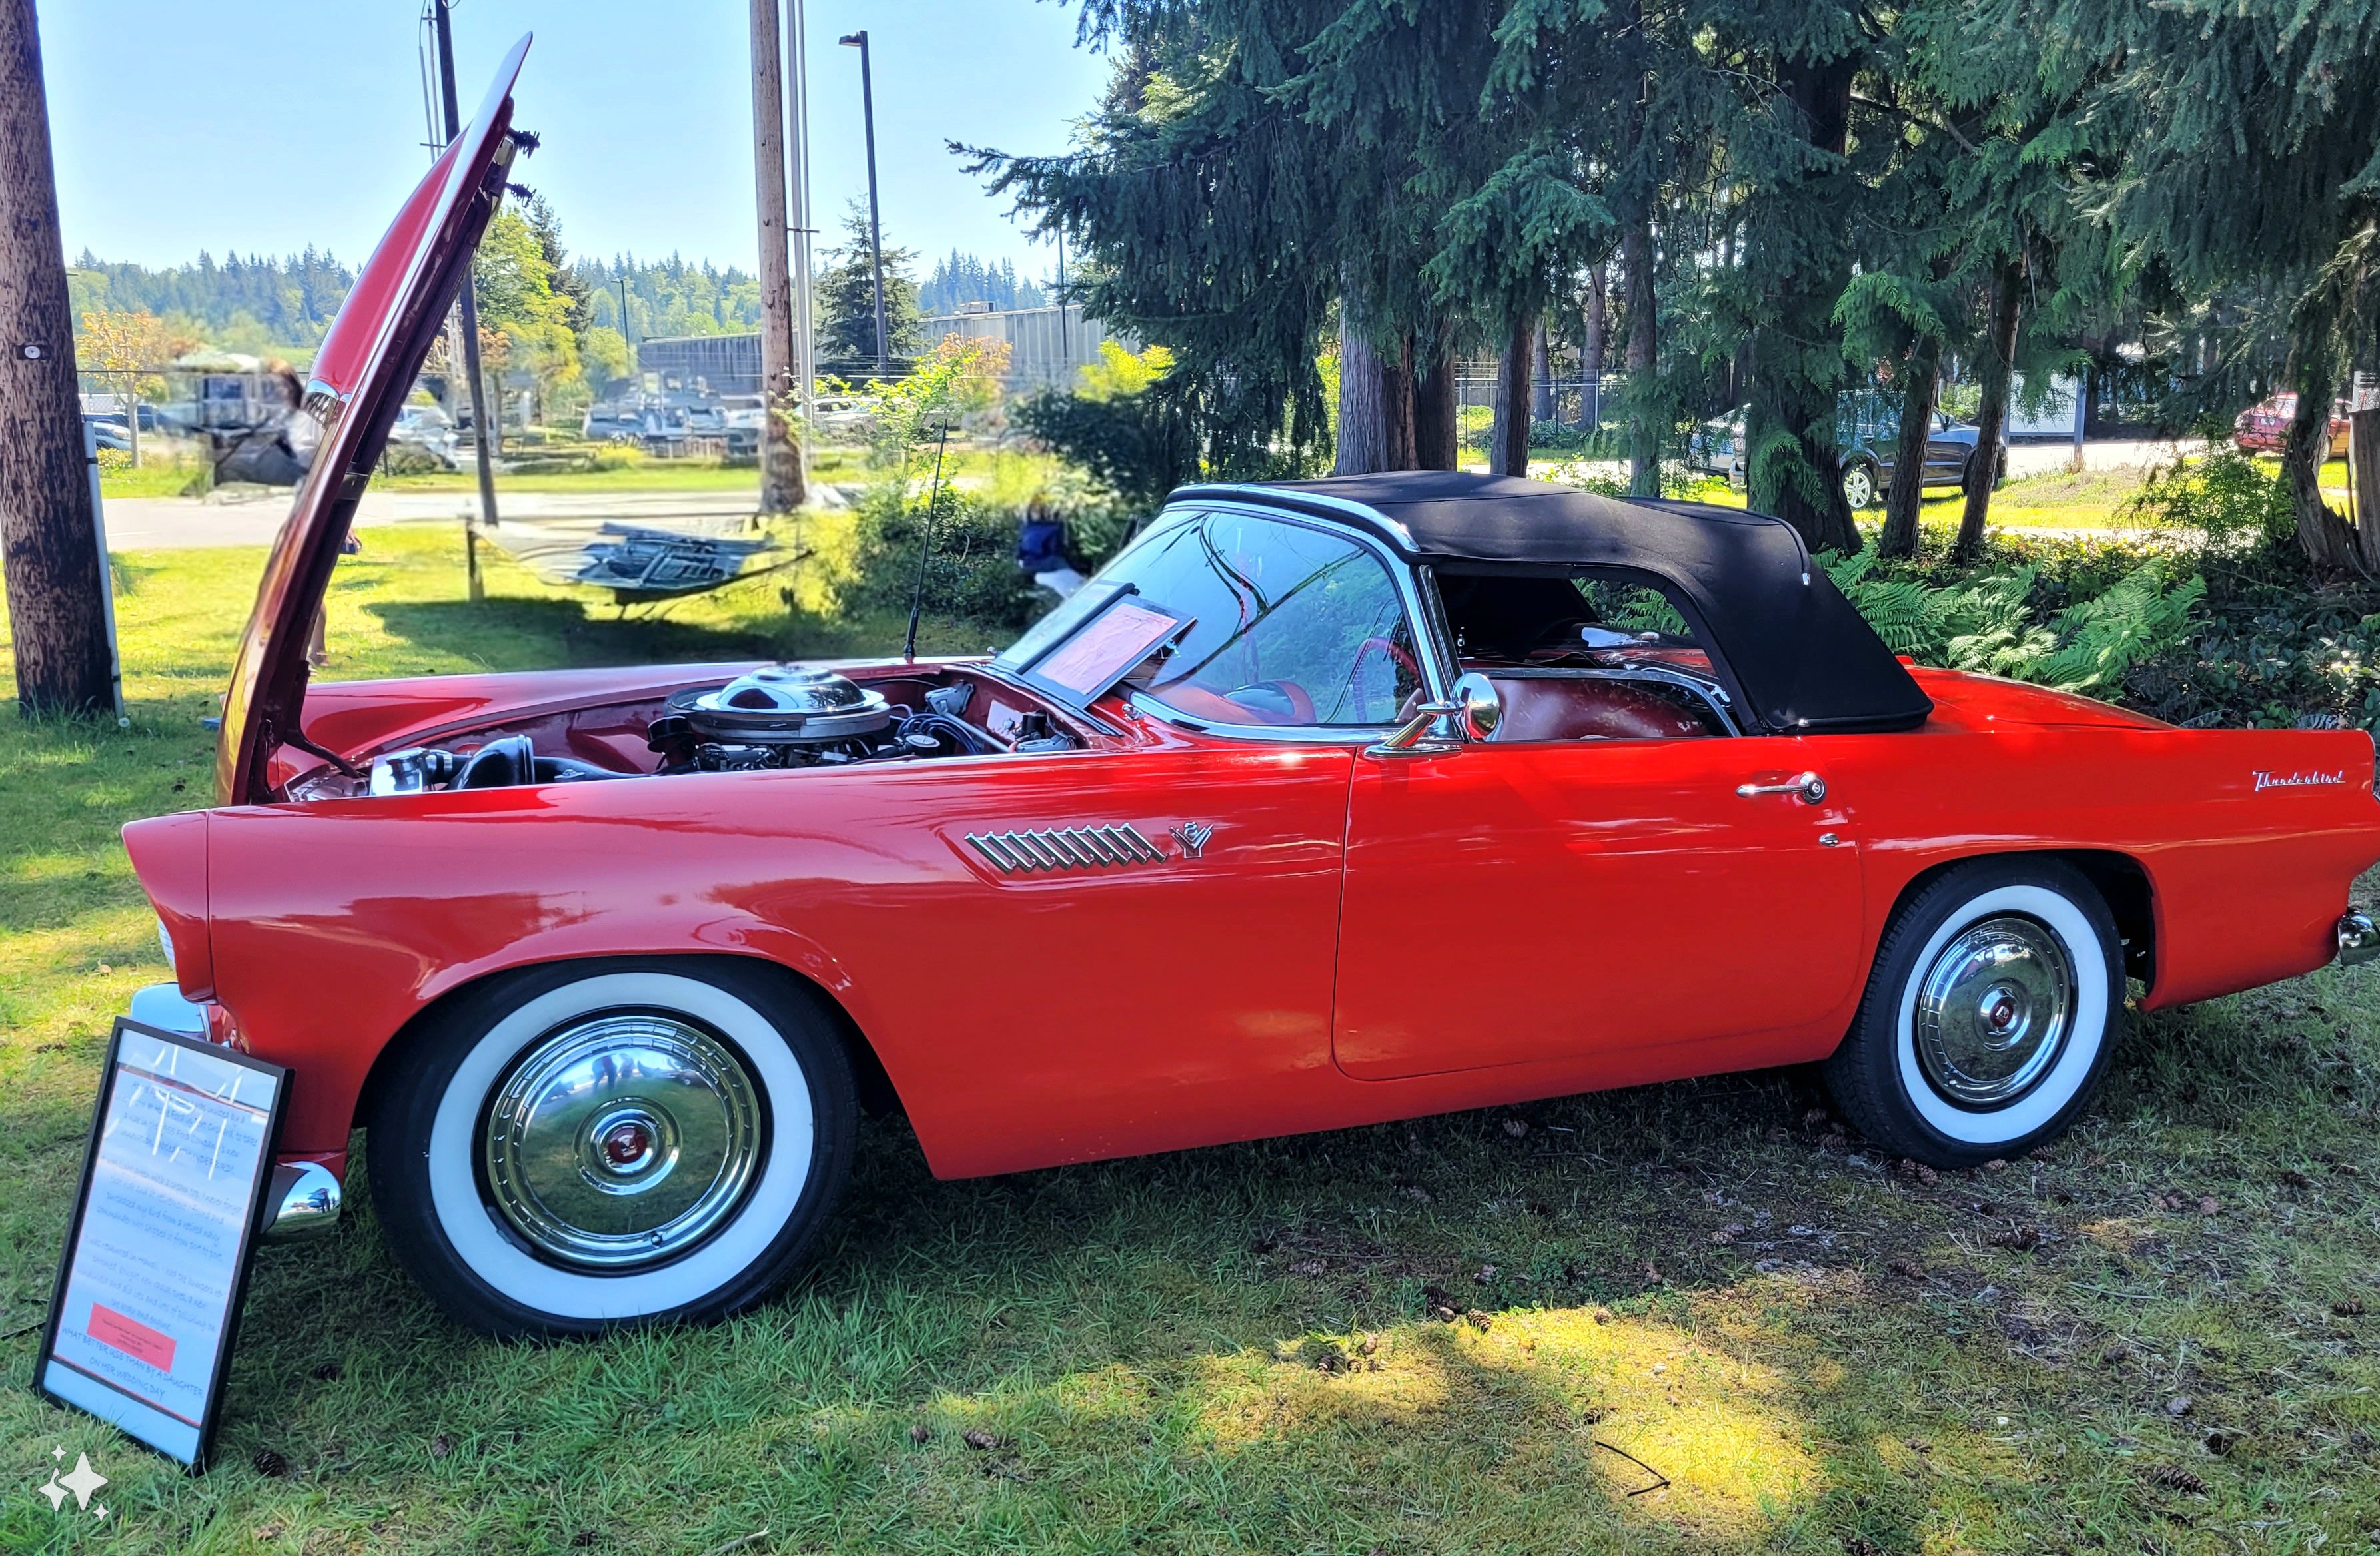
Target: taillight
(169,854)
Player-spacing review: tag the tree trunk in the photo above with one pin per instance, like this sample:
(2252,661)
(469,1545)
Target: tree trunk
(1397,394)
(1908,490)
(49,544)
(2329,545)
(1541,373)
(781,459)
(1644,356)
(1591,351)
(1797,376)
(2363,479)
(1507,444)
(1362,400)
(1998,360)
(1436,423)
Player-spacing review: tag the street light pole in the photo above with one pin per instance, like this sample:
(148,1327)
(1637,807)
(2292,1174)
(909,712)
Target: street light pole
(875,219)
(797,153)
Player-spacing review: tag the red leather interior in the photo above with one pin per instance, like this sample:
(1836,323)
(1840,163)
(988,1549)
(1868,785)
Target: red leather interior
(1545,709)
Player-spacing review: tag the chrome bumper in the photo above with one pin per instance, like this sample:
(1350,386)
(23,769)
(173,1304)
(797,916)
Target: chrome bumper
(2359,939)
(301,1203)
(303,1199)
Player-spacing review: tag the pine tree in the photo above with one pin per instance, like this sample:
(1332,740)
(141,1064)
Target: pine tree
(2244,142)
(846,302)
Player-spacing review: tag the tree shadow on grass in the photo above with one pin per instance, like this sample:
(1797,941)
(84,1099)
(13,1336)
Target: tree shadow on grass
(1171,1351)
(1812,1347)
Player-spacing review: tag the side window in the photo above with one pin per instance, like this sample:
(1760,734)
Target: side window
(1633,608)
(1291,625)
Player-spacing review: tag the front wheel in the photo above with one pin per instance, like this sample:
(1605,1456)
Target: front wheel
(1989,1018)
(1859,485)
(596,1144)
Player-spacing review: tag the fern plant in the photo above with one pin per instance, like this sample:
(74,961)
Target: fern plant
(1990,624)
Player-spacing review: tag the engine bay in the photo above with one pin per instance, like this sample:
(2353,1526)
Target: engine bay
(778,716)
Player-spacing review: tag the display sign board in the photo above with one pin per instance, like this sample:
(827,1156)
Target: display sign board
(148,1296)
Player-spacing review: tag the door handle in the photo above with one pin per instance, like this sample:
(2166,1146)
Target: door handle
(1809,786)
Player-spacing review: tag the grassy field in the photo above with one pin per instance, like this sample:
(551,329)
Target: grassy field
(2083,499)
(1686,1317)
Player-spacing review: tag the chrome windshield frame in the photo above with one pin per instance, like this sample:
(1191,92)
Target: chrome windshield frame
(1413,592)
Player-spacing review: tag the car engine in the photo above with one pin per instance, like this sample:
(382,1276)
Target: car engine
(777,716)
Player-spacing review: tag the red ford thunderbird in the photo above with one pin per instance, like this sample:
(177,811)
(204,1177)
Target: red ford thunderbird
(1326,802)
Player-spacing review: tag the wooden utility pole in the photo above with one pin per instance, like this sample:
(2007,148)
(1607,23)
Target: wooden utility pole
(48,538)
(781,461)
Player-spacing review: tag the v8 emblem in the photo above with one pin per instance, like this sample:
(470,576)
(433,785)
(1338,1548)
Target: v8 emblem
(1192,835)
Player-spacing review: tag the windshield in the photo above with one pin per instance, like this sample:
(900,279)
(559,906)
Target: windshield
(1285,624)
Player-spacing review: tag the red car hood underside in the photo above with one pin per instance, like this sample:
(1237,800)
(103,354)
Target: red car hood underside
(361,376)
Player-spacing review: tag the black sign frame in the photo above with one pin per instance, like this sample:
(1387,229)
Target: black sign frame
(227,1335)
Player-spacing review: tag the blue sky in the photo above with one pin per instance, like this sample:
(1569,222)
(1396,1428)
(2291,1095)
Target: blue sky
(179,128)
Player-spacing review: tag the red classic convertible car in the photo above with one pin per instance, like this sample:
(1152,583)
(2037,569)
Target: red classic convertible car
(1324,802)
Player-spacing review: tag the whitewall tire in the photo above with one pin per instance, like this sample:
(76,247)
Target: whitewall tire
(1989,1015)
(592,1144)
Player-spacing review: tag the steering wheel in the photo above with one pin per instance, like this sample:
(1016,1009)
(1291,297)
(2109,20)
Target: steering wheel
(1274,702)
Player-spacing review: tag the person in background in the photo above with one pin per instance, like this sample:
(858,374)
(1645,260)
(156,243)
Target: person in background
(318,643)
(1041,549)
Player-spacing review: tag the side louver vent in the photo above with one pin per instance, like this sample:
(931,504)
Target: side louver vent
(1066,848)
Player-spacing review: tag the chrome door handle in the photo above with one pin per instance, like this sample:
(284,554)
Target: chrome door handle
(1809,786)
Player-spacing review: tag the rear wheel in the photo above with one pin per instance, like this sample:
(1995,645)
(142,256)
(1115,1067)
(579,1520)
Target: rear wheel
(1989,1015)
(1859,485)
(596,1144)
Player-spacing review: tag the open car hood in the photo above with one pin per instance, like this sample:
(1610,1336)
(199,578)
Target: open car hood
(361,376)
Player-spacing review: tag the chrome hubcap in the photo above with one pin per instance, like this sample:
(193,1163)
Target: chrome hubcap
(622,1141)
(1993,1012)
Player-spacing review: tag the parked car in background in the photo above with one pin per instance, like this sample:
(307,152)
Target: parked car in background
(427,434)
(1868,430)
(110,431)
(2264,426)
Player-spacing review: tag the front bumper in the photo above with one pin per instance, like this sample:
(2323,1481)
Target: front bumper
(2359,939)
(304,1198)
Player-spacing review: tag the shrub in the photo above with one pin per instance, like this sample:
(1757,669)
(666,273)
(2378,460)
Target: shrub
(972,572)
(2227,497)
(1126,426)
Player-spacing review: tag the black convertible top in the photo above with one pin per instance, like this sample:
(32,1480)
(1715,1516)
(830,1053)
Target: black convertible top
(1797,655)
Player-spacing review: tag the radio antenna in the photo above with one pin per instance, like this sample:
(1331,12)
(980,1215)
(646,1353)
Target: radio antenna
(926,544)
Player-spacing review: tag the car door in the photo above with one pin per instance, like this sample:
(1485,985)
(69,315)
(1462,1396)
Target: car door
(1946,452)
(1624,905)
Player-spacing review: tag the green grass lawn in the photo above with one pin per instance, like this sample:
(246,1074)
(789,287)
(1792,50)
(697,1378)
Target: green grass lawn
(2081,500)
(2160,1336)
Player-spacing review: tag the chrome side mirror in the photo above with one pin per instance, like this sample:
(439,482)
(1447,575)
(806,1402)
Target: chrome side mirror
(1481,710)
(1475,710)
(1412,738)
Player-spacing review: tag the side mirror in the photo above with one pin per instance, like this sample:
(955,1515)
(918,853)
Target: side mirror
(1479,709)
